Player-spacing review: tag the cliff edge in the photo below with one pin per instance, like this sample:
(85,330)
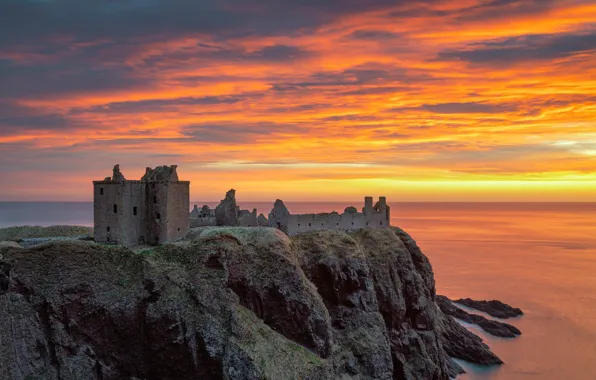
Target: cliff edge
(232,303)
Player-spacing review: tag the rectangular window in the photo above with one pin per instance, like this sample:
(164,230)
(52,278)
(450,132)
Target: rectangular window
(115,209)
(108,229)
(101,191)
(134,210)
(154,199)
(158,216)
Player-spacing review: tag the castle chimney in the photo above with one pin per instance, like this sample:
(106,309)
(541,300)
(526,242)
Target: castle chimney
(368,205)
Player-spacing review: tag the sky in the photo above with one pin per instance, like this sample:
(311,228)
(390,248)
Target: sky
(467,100)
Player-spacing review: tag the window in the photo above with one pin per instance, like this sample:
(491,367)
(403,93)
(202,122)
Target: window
(158,216)
(338,224)
(134,210)
(309,224)
(367,223)
(352,223)
(381,223)
(154,199)
(179,228)
(298,224)
(101,191)
(115,209)
(108,229)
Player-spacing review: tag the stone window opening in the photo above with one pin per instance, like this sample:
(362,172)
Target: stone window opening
(178,229)
(101,191)
(367,223)
(108,229)
(158,216)
(309,224)
(115,209)
(352,223)
(134,210)
(381,223)
(154,199)
(298,224)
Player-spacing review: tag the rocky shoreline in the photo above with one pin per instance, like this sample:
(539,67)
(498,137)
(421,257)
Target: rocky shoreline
(232,303)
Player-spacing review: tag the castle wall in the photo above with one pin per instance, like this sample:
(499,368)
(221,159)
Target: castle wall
(133,214)
(106,222)
(178,204)
(203,222)
(156,200)
(247,219)
(371,217)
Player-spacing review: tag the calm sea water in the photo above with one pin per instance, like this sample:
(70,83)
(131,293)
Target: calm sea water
(540,257)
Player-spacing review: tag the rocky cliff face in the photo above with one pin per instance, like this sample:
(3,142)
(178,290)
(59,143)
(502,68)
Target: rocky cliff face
(233,303)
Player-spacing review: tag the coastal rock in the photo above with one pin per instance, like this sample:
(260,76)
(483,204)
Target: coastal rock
(495,328)
(493,308)
(232,303)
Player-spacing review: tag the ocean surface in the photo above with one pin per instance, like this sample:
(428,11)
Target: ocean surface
(540,257)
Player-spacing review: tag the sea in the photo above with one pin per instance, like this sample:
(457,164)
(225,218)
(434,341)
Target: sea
(540,257)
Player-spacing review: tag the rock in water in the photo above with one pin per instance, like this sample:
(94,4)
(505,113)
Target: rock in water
(493,308)
(235,303)
(495,328)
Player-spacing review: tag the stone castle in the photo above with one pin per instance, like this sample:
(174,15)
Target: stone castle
(155,210)
(151,211)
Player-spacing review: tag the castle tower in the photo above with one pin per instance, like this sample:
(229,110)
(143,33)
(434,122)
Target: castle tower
(153,210)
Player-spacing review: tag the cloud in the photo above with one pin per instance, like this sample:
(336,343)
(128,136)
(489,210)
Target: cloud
(540,47)
(466,107)
(161,105)
(230,133)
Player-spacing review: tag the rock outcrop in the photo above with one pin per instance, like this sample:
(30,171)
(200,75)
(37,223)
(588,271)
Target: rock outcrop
(233,303)
(495,328)
(493,308)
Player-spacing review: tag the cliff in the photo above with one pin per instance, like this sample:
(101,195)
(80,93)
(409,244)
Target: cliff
(232,303)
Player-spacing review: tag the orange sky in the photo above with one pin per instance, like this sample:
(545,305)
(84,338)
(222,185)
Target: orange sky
(481,100)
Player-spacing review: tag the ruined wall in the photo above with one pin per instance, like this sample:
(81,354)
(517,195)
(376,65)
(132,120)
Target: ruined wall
(376,216)
(203,222)
(333,221)
(247,218)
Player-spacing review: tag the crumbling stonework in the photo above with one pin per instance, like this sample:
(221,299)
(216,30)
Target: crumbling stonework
(153,210)
(227,213)
(372,217)
(279,217)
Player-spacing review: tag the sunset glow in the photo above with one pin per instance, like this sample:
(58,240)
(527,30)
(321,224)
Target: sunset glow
(468,100)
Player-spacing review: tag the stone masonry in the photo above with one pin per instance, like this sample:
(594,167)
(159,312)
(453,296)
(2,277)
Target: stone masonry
(153,210)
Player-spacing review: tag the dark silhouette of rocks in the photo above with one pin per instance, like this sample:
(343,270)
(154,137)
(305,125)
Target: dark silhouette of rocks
(495,328)
(493,308)
(234,303)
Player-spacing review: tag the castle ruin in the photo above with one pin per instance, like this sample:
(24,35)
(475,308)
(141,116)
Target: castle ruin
(228,213)
(153,210)
(377,216)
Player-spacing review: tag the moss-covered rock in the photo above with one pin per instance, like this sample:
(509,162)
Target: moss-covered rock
(232,303)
